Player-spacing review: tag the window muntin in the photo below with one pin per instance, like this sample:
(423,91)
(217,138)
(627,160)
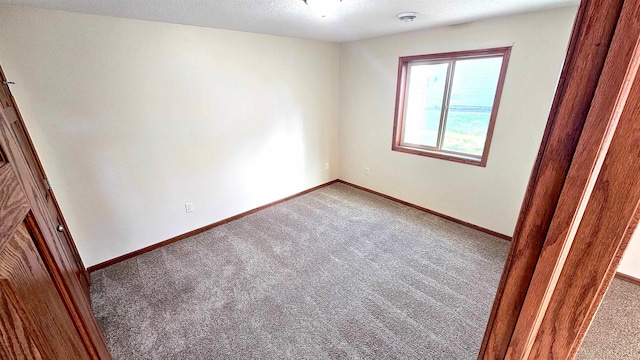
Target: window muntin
(447,103)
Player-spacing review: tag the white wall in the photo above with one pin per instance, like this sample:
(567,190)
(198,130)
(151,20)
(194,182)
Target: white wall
(489,197)
(630,264)
(132,119)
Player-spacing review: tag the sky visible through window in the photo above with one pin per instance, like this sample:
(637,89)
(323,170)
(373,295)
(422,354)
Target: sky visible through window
(472,94)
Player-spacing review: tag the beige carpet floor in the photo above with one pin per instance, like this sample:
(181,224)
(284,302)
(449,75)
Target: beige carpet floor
(615,331)
(334,274)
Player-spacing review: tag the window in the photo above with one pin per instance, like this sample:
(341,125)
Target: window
(446,104)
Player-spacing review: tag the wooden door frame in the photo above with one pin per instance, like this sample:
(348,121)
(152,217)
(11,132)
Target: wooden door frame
(561,260)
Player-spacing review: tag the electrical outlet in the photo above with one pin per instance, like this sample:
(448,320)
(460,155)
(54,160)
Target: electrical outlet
(188,207)
(326,166)
(367,172)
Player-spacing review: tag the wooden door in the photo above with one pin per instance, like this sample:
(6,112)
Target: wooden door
(39,179)
(57,252)
(34,322)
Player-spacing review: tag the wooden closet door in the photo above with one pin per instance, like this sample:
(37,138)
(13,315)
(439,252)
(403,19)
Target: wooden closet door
(34,321)
(39,179)
(57,251)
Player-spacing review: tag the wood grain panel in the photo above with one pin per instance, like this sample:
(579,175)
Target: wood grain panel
(40,319)
(603,229)
(13,203)
(597,211)
(590,40)
(16,340)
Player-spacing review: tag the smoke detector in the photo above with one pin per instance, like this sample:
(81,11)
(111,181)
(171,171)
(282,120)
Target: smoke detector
(407,16)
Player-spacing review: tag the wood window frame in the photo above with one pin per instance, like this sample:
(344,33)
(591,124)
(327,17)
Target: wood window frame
(437,152)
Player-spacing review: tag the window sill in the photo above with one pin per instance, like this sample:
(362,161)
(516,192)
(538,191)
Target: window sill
(443,155)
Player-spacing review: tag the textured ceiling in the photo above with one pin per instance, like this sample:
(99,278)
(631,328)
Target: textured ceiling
(354,19)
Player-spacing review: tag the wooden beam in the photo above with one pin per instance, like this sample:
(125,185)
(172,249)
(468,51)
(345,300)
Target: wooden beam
(596,214)
(592,34)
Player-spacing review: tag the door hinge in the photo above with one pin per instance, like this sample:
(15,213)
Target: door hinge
(47,184)
(7,83)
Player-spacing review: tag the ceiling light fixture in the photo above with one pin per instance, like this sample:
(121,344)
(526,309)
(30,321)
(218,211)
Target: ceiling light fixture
(323,8)
(407,16)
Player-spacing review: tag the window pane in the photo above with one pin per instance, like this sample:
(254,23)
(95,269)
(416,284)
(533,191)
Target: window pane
(424,103)
(472,94)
